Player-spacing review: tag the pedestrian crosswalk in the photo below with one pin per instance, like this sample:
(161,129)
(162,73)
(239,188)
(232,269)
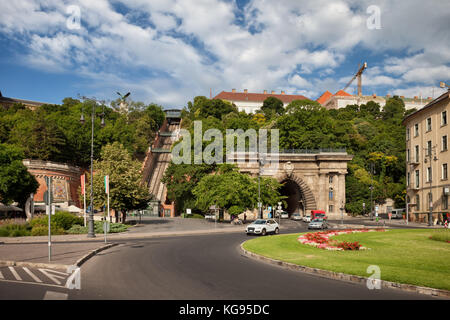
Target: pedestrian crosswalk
(33,275)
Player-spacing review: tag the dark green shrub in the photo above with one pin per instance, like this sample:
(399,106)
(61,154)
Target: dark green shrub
(40,230)
(14,230)
(66,220)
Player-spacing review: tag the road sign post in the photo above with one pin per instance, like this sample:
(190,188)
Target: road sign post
(48,209)
(106,226)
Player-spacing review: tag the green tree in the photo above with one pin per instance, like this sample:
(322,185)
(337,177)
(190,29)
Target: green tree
(127,192)
(272,106)
(16,183)
(234,191)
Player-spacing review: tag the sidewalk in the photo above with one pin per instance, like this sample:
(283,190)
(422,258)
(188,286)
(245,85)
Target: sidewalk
(36,254)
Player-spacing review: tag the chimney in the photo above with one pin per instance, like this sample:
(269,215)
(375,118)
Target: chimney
(245,91)
(265,91)
(282,92)
(273,92)
(233,90)
(374,95)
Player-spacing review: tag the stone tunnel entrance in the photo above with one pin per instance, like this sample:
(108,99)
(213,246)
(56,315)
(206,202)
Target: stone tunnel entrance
(295,198)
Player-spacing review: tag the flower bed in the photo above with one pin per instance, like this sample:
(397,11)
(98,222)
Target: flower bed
(322,239)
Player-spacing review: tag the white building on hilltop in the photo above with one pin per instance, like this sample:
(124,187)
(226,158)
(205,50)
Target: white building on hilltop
(251,102)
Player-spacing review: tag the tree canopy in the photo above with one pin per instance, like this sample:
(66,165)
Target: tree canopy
(16,183)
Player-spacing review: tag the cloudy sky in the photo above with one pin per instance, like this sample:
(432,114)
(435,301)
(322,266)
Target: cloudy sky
(168,51)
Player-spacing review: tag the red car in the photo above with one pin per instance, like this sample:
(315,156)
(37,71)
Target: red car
(318,214)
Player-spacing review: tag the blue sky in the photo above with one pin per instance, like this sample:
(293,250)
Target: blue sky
(168,51)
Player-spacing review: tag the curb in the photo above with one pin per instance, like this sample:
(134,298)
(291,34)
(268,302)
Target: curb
(56,266)
(348,277)
(93,253)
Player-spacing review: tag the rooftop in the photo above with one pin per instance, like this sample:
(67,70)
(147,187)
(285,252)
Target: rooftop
(444,96)
(257,97)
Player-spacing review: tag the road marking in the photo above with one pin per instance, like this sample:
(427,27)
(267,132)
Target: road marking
(62,275)
(53,295)
(15,274)
(32,275)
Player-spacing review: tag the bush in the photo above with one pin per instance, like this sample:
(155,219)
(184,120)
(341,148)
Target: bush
(40,230)
(66,220)
(15,230)
(113,228)
(77,229)
(60,220)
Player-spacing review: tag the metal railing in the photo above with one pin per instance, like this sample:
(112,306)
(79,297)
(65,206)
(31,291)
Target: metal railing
(313,151)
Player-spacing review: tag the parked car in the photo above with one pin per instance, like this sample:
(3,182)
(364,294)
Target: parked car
(284,215)
(262,227)
(307,218)
(398,213)
(318,224)
(296,216)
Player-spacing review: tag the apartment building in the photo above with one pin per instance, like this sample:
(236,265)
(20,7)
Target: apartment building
(428,160)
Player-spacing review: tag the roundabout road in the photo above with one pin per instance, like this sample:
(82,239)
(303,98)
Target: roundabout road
(206,267)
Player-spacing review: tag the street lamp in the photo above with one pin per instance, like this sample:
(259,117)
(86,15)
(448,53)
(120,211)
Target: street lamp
(261,162)
(372,172)
(429,154)
(91,229)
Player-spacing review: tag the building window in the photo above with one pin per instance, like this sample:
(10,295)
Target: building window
(407,155)
(444,202)
(407,134)
(330,179)
(429,174)
(444,118)
(429,148)
(429,124)
(330,208)
(444,143)
(444,172)
(417,154)
(417,202)
(408,179)
(330,194)
(417,179)
(416,130)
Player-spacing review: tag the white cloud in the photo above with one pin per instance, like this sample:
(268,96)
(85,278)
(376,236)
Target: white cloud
(196,45)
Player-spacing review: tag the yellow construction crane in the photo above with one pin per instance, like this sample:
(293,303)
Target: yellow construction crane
(358,75)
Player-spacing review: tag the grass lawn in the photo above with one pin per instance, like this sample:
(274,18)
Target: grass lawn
(403,255)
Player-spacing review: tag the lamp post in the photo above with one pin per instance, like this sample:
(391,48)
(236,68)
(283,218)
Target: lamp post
(261,162)
(91,229)
(371,190)
(429,154)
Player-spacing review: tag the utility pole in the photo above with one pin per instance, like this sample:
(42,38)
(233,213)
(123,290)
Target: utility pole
(429,153)
(261,162)
(371,190)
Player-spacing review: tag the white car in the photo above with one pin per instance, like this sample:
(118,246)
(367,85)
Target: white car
(307,218)
(284,215)
(296,216)
(262,227)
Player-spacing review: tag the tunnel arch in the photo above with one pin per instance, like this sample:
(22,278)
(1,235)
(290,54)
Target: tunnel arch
(300,197)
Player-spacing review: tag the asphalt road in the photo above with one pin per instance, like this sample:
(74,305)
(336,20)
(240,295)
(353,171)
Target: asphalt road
(195,267)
